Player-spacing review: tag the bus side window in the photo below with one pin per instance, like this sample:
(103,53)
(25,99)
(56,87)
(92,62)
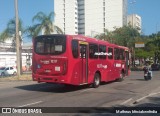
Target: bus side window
(75,48)
(121,54)
(93,48)
(102,49)
(116,54)
(110,52)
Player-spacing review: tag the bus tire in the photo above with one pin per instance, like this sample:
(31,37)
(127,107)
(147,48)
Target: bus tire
(121,78)
(96,81)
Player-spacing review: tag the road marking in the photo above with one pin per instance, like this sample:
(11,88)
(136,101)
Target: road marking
(125,102)
(149,95)
(30,104)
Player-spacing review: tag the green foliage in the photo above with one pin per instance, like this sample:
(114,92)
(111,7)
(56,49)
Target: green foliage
(11,30)
(4,35)
(107,36)
(128,36)
(124,36)
(141,53)
(44,23)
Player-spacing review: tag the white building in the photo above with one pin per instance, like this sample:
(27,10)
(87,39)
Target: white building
(66,15)
(88,17)
(115,14)
(135,21)
(8,55)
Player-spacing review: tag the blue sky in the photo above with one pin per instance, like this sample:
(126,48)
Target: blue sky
(27,9)
(147,9)
(149,12)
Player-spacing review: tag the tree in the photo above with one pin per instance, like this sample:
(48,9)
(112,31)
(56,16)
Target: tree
(4,35)
(10,32)
(32,31)
(107,36)
(126,36)
(45,24)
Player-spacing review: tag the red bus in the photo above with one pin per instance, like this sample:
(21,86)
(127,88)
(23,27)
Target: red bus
(78,60)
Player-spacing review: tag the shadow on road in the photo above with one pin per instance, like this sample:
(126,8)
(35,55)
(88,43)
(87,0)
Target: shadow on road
(138,79)
(55,88)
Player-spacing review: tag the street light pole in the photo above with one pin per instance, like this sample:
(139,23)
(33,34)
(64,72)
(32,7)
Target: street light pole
(17,39)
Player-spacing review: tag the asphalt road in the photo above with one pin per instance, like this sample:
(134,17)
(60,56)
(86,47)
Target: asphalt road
(133,91)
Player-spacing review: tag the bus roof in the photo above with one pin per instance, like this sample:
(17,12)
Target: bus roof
(89,39)
(95,40)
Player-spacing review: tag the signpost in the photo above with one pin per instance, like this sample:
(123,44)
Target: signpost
(139,45)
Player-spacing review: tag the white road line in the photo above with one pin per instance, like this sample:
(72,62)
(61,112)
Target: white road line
(149,95)
(30,104)
(125,102)
(140,99)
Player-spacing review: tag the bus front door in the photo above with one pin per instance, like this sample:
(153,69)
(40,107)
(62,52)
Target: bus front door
(83,64)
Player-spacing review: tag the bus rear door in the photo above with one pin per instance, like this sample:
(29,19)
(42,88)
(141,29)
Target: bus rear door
(83,62)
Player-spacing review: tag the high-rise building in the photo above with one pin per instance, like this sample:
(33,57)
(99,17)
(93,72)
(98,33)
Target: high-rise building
(66,15)
(135,21)
(89,17)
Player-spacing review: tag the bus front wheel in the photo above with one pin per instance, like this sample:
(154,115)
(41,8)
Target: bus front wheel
(96,81)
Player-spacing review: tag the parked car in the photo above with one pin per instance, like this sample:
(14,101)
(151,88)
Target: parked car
(5,71)
(155,67)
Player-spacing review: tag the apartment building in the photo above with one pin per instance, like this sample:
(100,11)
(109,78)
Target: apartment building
(89,17)
(135,21)
(66,15)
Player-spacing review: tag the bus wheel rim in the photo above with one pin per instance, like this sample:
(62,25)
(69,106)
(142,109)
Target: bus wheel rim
(97,80)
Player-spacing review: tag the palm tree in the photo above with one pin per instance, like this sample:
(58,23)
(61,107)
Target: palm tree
(32,31)
(4,35)
(10,31)
(45,24)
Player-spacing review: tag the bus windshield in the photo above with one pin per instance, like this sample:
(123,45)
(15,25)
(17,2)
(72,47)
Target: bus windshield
(52,44)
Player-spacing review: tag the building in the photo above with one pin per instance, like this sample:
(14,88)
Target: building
(135,21)
(8,55)
(66,15)
(89,17)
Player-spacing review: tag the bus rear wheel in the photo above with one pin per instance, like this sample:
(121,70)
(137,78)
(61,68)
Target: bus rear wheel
(121,78)
(96,81)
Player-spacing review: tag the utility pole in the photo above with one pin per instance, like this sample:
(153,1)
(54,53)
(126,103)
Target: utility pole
(133,49)
(17,39)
